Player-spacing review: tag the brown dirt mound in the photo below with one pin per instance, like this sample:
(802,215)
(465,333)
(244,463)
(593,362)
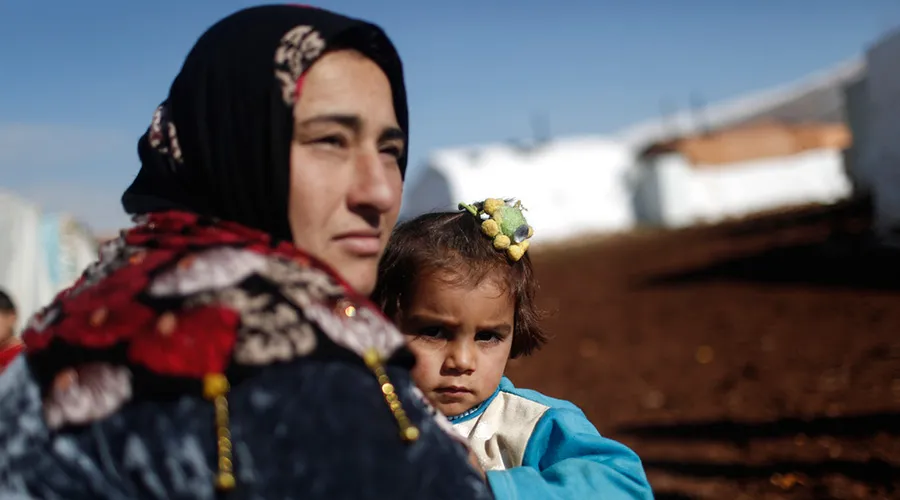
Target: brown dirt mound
(754,359)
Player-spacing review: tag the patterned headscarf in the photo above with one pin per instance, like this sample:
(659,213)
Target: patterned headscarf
(220,143)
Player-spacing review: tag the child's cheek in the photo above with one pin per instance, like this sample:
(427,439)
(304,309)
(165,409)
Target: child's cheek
(424,373)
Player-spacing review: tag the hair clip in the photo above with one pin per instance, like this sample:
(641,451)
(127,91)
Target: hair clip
(503,222)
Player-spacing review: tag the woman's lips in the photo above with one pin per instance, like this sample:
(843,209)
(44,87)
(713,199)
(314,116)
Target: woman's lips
(361,244)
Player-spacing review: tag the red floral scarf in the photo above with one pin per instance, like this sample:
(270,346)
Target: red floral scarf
(181,304)
(180,297)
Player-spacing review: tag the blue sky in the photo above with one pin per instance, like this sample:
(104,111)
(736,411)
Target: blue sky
(80,80)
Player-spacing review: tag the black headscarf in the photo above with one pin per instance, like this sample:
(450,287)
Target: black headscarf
(220,143)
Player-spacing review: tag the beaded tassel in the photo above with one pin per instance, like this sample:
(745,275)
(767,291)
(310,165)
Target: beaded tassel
(215,387)
(408,431)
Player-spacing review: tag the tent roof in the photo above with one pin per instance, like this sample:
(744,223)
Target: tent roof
(816,98)
(753,141)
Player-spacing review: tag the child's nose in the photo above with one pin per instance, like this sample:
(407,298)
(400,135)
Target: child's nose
(461,358)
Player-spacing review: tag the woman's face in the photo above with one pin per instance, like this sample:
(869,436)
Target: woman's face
(345,174)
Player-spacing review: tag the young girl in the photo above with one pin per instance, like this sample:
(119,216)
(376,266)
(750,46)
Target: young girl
(461,287)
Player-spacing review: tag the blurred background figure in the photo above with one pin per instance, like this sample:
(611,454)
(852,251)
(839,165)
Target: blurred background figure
(41,251)
(10,346)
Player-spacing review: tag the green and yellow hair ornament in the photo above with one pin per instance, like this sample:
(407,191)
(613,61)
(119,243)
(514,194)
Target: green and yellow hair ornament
(503,222)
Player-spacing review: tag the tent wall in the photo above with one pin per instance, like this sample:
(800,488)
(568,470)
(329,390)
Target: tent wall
(431,192)
(569,187)
(878,160)
(857,99)
(673,193)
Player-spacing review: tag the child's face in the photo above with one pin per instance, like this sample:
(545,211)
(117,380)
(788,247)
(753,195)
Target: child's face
(461,336)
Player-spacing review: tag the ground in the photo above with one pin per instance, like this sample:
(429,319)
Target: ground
(753,359)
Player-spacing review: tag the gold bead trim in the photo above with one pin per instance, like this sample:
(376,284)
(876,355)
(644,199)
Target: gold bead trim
(408,431)
(215,387)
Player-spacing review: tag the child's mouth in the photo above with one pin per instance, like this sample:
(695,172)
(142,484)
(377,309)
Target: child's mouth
(452,390)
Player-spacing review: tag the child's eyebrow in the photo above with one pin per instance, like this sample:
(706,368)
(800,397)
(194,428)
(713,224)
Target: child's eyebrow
(433,318)
(504,328)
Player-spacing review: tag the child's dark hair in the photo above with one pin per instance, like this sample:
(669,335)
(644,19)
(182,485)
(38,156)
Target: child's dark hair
(7,306)
(453,241)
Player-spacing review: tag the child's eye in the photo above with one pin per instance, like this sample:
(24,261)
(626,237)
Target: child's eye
(431,332)
(488,337)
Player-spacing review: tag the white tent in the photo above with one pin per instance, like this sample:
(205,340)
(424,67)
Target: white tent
(40,254)
(874,103)
(569,186)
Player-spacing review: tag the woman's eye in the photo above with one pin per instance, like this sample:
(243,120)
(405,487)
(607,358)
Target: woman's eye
(331,140)
(394,152)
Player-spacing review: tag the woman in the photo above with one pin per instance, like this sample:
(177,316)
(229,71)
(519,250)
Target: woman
(205,353)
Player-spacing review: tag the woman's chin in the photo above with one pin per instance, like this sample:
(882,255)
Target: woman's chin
(360,274)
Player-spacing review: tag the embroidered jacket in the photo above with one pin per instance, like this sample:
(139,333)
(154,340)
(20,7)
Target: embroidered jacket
(198,357)
(536,447)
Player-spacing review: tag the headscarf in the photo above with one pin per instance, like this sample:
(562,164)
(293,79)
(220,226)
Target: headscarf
(219,145)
